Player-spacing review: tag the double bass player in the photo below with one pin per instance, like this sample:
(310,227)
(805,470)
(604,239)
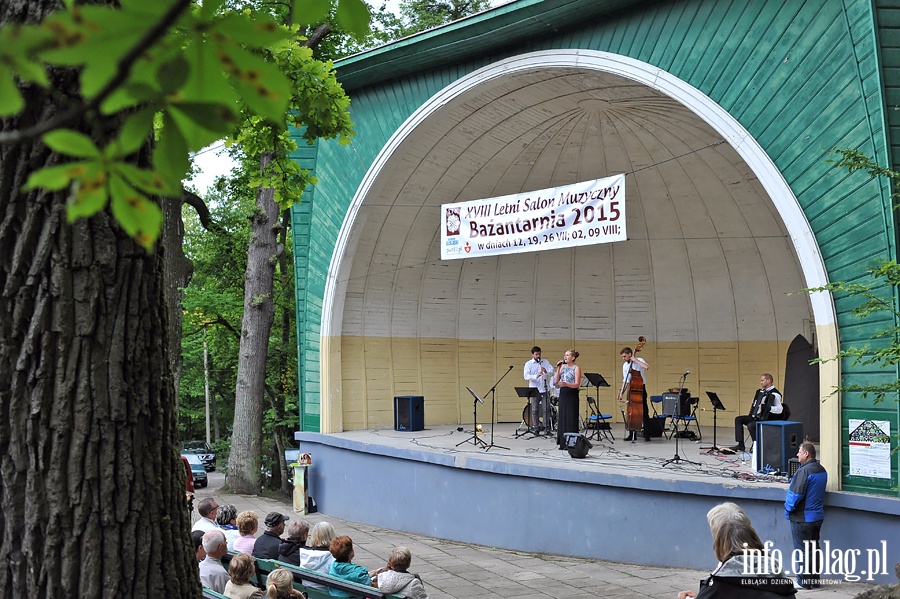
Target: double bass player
(632,362)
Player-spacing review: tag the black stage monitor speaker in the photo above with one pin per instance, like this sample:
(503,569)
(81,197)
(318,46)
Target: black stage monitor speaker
(778,442)
(409,413)
(578,445)
(671,405)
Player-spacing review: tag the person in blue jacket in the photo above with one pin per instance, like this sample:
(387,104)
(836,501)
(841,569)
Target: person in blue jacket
(804,507)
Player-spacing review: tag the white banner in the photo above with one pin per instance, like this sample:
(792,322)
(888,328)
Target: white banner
(578,214)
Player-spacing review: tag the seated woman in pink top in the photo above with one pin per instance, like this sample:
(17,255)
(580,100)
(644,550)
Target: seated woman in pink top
(247,523)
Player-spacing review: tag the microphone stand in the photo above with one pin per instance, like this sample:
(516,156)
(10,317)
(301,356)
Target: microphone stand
(678,459)
(493,410)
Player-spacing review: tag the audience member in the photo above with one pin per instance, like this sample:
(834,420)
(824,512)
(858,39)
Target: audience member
(289,550)
(241,570)
(343,567)
(725,512)
(226,518)
(396,578)
(197,537)
(745,569)
(267,545)
(317,555)
(248,524)
(280,585)
(212,572)
(804,507)
(207,510)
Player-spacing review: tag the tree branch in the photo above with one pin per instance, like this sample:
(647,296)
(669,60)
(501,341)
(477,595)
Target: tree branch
(196,202)
(123,69)
(316,37)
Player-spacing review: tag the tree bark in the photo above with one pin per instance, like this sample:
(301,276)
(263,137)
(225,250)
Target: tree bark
(91,485)
(256,324)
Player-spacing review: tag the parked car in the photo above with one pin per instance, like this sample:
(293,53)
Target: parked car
(203,451)
(198,469)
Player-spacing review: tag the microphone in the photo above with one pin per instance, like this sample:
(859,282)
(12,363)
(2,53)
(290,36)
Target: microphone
(560,363)
(687,372)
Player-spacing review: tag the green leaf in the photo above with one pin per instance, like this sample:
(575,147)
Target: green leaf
(173,74)
(55,178)
(89,193)
(72,143)
(206,82)
(141,218)
(311,12)
(99,34)
(353,15)
(136,131)
(170,155)
(251,30)
(158,7)
(215,119)
(195,136)
(209,8)
(128,96)
(11,101)
(95,76)
(145,180)
(34,72)
(261,84)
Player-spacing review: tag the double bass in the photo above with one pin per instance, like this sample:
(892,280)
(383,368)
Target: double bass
(634,413)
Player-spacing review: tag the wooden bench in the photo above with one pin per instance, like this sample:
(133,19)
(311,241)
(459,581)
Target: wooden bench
(302,575)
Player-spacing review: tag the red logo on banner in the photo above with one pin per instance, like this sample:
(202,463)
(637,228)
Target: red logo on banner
(468,247)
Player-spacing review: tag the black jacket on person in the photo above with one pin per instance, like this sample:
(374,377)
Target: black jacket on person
(729,581)
(289,551)
(267,545)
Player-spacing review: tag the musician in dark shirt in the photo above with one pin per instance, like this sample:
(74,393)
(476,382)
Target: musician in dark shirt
(766,406)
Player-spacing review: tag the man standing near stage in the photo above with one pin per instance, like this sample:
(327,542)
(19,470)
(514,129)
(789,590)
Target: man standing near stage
(537,372)
(804,507)
(766,406)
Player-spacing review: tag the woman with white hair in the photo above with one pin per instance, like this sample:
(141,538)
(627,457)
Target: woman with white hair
(316,555)
(745,570)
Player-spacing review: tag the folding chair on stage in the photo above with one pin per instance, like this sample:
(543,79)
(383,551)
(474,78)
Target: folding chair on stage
(598,421)
(688,420)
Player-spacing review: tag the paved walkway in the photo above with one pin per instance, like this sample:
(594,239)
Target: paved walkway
(453,570)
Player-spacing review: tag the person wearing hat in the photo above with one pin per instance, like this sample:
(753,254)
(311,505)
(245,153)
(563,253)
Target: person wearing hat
(267,545)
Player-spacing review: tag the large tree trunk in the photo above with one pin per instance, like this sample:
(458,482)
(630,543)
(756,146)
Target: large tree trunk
(256,324)
(91,485)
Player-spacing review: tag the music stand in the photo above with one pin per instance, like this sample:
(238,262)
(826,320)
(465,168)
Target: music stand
(527,393)
(474,438)
(717,405)
(494,410)
(596,379)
